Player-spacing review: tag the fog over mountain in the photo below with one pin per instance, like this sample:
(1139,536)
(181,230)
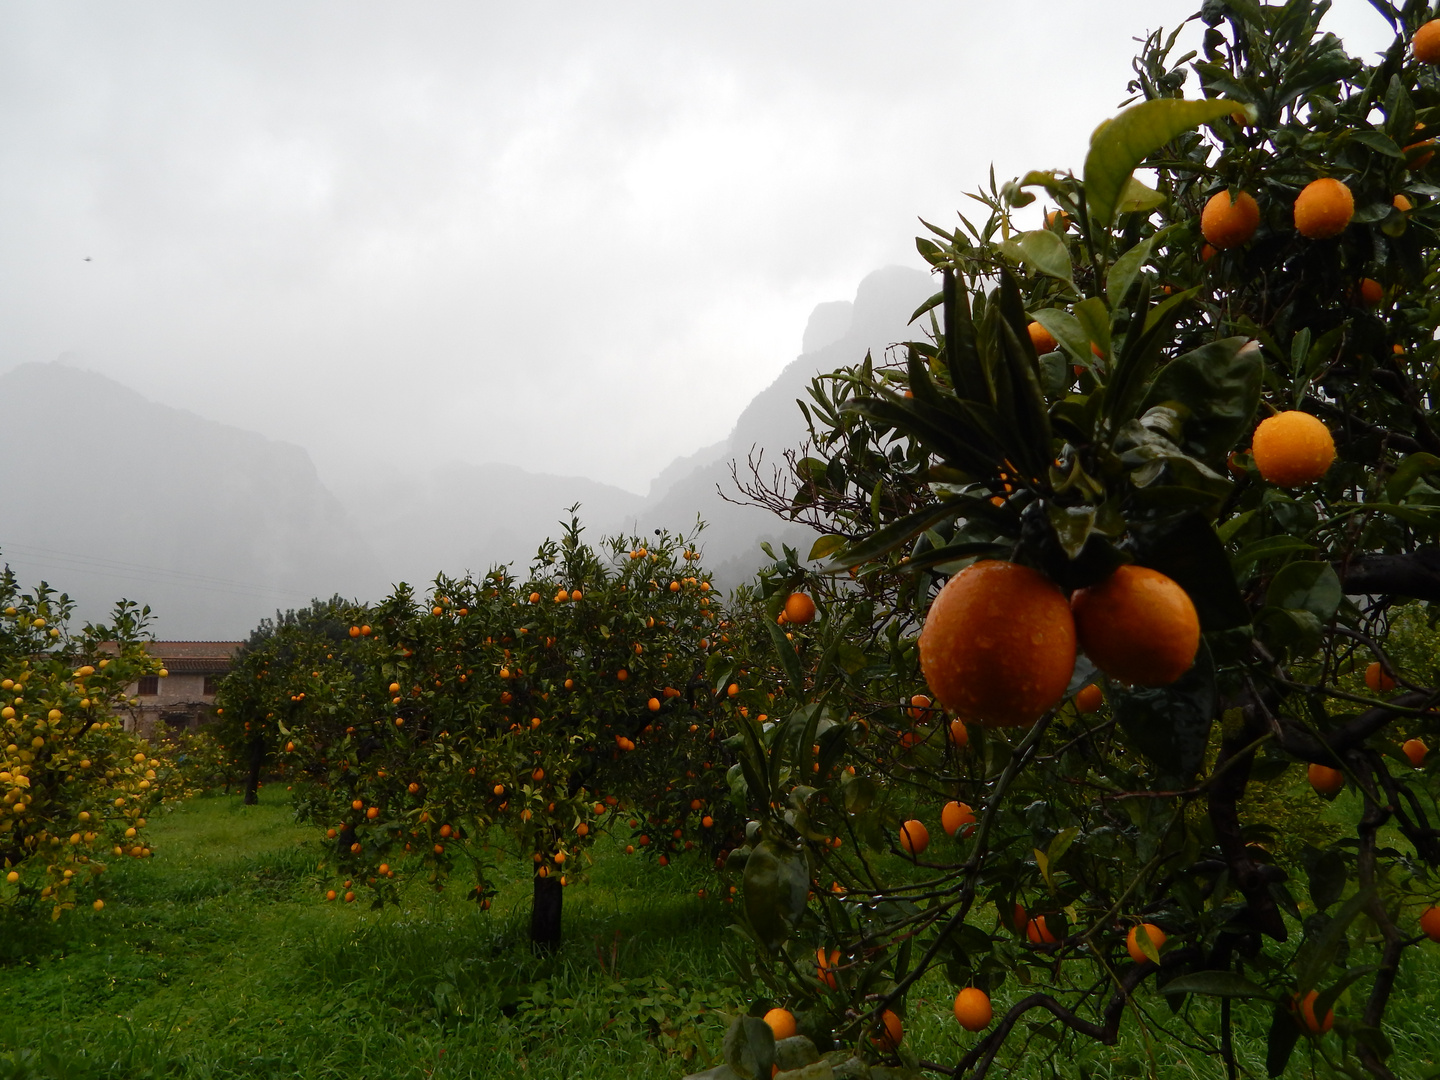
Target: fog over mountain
(109,494)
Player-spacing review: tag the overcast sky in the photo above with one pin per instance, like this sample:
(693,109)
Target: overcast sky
(576,237)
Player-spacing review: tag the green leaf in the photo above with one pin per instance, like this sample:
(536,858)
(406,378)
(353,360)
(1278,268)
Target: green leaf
(1213,984)
(1410,471)
(891,536)
(1043,250)
(789,662)
(1306,586)
(1280,1043)
(1170,725)
(1318,953)
(1327,874)
(1138,198)
(1216,388)
(1122,143)
(749,1048)
(776,883)
(825,546)
(1269,548)
(1067,331)
(1128,266)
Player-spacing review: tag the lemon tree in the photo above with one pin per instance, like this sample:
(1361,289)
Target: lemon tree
(75,787)
(1113,553)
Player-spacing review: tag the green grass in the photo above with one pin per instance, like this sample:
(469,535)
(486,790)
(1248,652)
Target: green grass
(218,958)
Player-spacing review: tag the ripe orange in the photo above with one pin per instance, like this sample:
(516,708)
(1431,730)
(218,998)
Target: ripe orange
(1292,448)
(891,1033)
(1325,780)
(958,735)
(1371,292)
(914,837)
(1430,923)
(1090,698)
(653,704)
(1403,204)
(1052,216)
(998,645)
(782,1023)
(1042,339)
(1323,208)
(954,816)
(1138,626)
(1416,751)
(99,905)
(1423,152)
(1207,252)
(1309,1021)
(330,895)
(1377,679)
(799,608)
(825,969)
(1227,224)
(1426,42)
(919,706)
(1038,932)
(1132,943)
(972,1009)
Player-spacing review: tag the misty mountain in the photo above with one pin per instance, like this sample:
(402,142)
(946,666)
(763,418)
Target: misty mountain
(108,494)
(839,333)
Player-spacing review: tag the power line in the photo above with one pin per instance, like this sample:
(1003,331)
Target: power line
(99,567)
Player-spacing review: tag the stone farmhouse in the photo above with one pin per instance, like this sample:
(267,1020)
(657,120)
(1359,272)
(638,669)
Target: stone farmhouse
(183,698)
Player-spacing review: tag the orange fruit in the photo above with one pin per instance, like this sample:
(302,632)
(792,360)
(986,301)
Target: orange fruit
(1416,751)
(1132,943)
(1323,208)
(825,969)
(1137,626)
(1038,932)
(1292,448)
(956,815)
(1226,223)
(1207,252)
(1308,1019)
(1325,780)
(959,737)
(1021,920)
(1424,151)
(998,644)
(1403,204)
(799,608)
(891,1031)
(1371,292)
(1042,339)
(782,1023)
(1426,42)
(653,704)
(1377,680)
(1053,216)
(914,837)
(1090,698)
(972,1009)
(919,706)
(1430,923)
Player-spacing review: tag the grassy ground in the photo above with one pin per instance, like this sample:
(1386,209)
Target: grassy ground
(218,959)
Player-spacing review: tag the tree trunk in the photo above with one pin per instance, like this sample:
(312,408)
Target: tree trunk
(545,909)
(252,781)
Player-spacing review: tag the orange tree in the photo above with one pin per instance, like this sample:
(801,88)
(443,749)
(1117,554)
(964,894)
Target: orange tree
(74,785)
(552,707)
(1136,514)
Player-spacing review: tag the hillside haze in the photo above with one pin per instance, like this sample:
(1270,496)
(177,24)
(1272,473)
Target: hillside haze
(110,494)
